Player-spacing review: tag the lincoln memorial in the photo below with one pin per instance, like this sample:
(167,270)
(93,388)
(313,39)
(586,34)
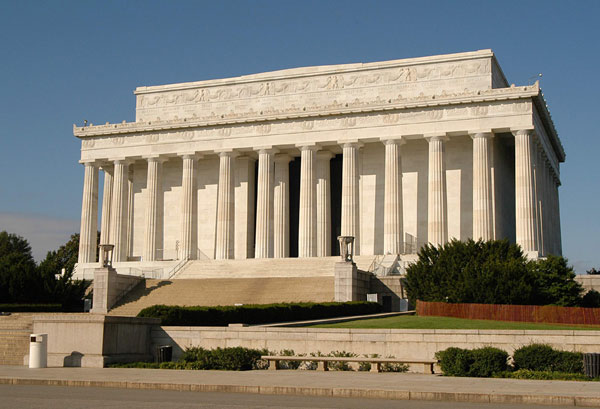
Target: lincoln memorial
(279,164)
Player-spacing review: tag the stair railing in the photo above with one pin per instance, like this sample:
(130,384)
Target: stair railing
(176,268)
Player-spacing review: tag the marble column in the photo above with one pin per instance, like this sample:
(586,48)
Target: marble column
(264,205)
(350,194)
(307,244)
(281,207)
(526,223)
(323,204)
(89,215)
(245,174)
(225,207)
(393,227)
(187,248)
(153,212)
(106,203)
(483,227)
(437,221)
(119,210)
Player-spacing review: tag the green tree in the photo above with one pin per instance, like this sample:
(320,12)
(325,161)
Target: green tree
(19,280)
(64,290)
(555,282)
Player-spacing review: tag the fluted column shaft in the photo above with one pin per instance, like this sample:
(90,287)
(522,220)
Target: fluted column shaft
(525,203)
(482,187)
(307,212)
(264,205)
(106,203)
(281,207)
(152,211)
(225,207)
(393,226)
(350,193)
(187,249)
(323,204)
(89,215)
(119,211)
(437,224)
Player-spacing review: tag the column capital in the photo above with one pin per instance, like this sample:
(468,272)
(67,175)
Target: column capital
(325,155)
(122,161)
(227,153)
(433,137)
(390,140)
(155,158)
(481,134)
(266,149)
(90,162)
(189,155)
(520,132)
(308,146)
(282,158)
(352,144)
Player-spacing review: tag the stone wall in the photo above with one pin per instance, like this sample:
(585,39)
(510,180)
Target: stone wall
(407,343)
(589,281)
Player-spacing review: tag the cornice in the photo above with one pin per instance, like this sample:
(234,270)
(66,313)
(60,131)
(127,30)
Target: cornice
(359,107)
(542,106)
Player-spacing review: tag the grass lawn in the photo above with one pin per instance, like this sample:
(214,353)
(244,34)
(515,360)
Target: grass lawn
(416,322)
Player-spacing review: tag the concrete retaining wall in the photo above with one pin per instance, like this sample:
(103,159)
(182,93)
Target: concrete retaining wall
(408,343)
(589,281)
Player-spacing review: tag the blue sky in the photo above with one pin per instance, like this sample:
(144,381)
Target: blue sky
(66,61)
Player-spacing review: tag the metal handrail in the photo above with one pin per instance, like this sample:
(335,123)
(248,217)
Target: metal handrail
(177,267)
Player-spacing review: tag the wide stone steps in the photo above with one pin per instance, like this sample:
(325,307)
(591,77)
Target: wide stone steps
(225,291)
(14,338)
(273,267)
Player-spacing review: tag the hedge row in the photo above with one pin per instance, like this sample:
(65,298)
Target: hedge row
(531,359)
(256,314)
(31,308)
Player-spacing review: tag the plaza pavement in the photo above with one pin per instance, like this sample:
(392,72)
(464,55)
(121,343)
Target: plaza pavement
(312,383)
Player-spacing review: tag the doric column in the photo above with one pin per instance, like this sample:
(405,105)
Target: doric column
(244,192)
(225,207)
(264,204)
(89,215)
(106,203)
(187,248)
(350,193)
(153,213)
(526,223)
(393,227)
(437,221)
(323,204)
(119,210)
(281,207)
(482,187)
(307,244)
(130,207)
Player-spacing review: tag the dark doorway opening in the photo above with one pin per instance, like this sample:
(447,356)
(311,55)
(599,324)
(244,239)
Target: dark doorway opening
(294,205)
(335,169)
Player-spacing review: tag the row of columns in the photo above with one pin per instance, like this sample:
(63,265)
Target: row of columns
(536,201)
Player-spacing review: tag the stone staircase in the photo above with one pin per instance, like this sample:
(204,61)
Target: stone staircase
(225,291)
(271,267)
(14,338)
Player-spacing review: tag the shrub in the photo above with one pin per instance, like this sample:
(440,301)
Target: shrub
(540,357)
(544,375)
(341,365)
(31,307)
(591,299)
(256,314)
(289,364)
(555,282)
(481,362)
(231,359)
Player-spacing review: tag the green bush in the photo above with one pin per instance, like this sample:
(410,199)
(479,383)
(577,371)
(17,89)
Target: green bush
(490,272)
(230,359)
(481,362)
(31,308)
(540,357)
(544,375)
(255,313)
(591,299)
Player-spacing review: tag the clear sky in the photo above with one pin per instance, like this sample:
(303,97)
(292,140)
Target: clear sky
(65,61)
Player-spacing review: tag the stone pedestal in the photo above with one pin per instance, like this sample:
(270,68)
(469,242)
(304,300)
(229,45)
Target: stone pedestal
(350,284)
(109,287)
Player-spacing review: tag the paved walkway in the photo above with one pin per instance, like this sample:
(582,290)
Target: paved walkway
(313,383)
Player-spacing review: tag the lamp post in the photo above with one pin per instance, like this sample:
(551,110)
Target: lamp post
(346,248)
(106,253)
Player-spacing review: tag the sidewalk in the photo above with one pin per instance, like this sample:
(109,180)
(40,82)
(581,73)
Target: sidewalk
(313,383)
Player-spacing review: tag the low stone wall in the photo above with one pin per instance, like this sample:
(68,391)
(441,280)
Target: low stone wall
(94,340)
(589,281)
(110,287)
(407,344)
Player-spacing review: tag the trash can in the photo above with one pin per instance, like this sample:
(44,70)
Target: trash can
(38,351)
(164,353)
(591,365)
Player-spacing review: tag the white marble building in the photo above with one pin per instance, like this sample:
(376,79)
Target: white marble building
(278,164)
